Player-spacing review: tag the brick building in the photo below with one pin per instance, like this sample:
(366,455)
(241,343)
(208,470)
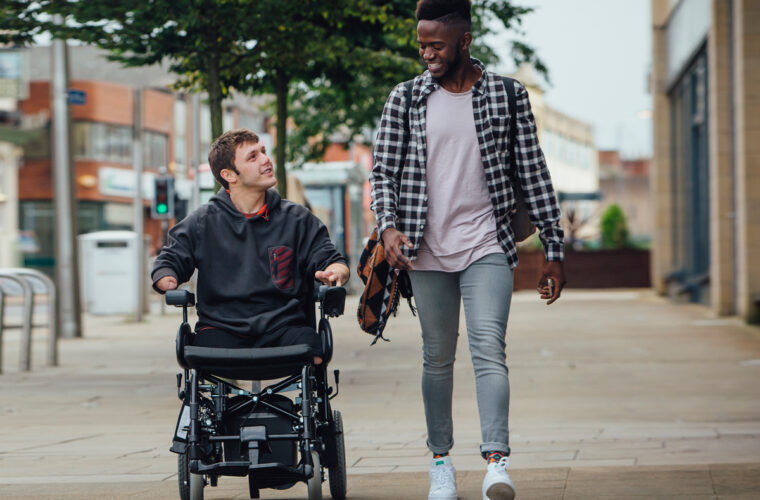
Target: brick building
(102,133)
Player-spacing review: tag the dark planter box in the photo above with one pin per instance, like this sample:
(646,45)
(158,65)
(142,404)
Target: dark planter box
(627,268)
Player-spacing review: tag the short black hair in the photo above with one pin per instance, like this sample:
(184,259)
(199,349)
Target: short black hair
(449,12)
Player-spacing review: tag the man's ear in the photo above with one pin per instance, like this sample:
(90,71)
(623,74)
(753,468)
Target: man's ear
(466,40)
(228,175)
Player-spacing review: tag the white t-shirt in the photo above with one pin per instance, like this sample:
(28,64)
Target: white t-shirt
(460,226)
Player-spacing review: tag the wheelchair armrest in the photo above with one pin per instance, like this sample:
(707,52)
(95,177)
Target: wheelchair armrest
(180,298)
(183,339)
(332,299)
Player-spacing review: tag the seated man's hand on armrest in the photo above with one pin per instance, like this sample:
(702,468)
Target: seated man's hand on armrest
(336,274)
(167,283)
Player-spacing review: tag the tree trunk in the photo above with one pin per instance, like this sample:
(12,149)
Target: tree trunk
(282,121)
(214,102)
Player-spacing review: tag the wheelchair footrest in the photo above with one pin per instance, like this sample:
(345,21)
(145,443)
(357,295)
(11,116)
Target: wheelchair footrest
(276,474)
(225,468)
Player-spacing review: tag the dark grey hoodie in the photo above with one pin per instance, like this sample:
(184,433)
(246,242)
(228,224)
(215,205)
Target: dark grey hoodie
(252,272)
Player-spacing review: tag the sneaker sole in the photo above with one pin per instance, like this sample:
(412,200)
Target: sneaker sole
(453,497)
(499,491)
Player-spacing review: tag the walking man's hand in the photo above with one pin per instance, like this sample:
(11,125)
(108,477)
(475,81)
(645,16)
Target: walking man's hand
(393,239)
(552,281)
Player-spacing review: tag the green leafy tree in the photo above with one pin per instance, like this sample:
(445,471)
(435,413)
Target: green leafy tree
(203,41)
(614,228)
(314,41)
(334,61)
(18,26)
(254,46)
(347,99)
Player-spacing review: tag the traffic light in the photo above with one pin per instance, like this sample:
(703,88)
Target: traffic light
(162,206)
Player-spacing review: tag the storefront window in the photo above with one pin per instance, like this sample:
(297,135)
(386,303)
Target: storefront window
(102,142)
(690,178)
(37,227)
(155,149)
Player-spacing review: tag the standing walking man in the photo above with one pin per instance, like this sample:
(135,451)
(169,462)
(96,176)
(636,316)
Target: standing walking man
(443,198)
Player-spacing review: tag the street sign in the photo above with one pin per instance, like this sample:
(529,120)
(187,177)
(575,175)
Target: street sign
(77,97)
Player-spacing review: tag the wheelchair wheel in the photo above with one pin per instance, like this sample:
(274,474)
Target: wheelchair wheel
(190,485)
(337,472)
(315,483)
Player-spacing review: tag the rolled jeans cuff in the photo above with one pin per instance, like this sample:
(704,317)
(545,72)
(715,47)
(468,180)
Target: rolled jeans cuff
(487,448)
(440,450)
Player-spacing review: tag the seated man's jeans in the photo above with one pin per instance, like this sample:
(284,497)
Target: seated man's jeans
(283,336)
(485,288)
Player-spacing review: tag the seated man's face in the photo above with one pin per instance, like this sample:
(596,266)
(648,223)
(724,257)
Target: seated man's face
(255,169)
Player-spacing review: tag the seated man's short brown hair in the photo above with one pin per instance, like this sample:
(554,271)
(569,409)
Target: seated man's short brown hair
(222,152)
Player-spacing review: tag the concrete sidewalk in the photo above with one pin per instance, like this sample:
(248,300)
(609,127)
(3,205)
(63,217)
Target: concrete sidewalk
(615,394)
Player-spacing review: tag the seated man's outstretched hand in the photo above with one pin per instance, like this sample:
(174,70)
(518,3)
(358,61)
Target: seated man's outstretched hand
(167,283)
(336,274)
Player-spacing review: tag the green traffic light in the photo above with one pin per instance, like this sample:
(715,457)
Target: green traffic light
(162,208)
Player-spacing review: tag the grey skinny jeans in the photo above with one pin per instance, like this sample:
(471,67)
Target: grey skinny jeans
(485,287)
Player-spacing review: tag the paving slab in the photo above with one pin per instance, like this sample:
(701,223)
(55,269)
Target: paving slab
(609,389)
(717,481)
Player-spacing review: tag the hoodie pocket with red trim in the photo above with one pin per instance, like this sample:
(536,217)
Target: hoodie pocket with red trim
(282,267)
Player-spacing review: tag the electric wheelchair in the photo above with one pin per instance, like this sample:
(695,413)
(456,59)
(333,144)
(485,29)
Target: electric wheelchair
(276,441)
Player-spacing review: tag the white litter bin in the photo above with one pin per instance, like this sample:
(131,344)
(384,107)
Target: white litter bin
(109,276)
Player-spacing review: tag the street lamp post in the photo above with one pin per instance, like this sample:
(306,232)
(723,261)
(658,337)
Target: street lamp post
(66,265)
(137,161)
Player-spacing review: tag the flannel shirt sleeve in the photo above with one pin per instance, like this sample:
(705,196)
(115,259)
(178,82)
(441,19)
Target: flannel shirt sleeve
(388,159)
(535,180)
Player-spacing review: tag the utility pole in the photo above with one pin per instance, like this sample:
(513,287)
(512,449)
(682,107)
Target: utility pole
(196,118)
(137,162)
(68,312)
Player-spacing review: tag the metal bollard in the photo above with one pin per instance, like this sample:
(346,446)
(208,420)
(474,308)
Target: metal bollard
(52,351)
(25,357)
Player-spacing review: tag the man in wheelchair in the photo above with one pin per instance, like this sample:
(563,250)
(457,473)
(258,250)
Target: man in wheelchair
(257,258)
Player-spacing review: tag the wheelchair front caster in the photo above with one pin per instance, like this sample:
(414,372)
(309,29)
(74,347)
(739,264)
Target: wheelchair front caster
(315,483)
(190,485)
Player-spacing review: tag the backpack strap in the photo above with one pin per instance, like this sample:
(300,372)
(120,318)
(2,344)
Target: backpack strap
(509,86)
(409,86)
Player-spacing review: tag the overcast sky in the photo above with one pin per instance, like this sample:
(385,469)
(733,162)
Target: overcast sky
(599,55)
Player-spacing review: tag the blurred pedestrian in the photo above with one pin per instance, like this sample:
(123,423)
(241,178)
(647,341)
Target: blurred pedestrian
(443,199)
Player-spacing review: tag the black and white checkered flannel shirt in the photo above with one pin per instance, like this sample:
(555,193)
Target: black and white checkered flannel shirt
(399,191)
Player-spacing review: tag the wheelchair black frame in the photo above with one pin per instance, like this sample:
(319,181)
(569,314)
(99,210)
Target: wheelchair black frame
(309,427)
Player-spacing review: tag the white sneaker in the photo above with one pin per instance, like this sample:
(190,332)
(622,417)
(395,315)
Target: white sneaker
(497,485)
(443,479)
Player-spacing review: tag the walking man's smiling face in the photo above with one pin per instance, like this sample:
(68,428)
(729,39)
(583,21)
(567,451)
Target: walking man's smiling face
(442,46)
